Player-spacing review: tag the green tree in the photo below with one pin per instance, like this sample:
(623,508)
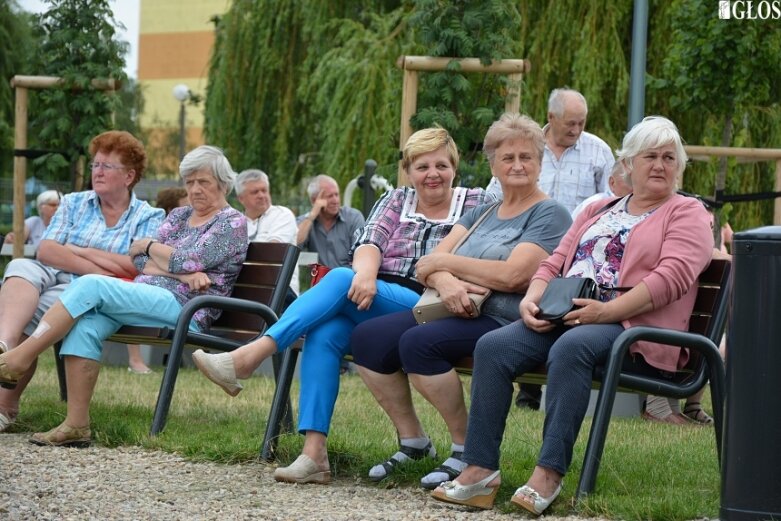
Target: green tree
(728,71)
(78,44)
(279,109)
(298,86)
(465,104)
(16,48)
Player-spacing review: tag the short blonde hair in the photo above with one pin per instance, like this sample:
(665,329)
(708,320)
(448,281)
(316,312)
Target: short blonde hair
(513,126)
(428,140)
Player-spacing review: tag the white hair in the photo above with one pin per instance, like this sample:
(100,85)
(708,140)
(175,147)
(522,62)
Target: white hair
(248,176)
(313,188)
(207,157)
(49,196)
(557,98)
(652,132)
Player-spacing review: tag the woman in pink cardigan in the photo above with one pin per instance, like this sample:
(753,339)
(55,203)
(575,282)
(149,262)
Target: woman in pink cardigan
(653,241)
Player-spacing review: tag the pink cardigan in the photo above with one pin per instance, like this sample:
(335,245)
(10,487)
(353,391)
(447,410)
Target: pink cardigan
(667,251)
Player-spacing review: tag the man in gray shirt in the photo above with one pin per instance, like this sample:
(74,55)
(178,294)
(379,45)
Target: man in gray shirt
(328,228)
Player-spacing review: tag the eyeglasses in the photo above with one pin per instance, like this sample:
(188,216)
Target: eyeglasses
(105,166)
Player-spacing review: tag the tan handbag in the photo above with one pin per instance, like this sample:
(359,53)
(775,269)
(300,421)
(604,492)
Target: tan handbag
(430,305)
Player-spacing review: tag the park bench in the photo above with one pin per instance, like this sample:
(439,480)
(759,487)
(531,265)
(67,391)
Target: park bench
(706,327)
(257,300)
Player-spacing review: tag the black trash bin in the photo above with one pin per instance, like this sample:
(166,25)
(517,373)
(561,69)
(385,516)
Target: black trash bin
(751,454)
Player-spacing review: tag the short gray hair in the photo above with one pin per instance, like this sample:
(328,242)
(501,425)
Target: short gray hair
(652,132)
(49,196)
(513,126)
(207,157)
(557,98)
(248,176)
(313,188)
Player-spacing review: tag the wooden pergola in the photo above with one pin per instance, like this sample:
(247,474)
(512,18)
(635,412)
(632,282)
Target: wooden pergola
(411,65)
(21,86)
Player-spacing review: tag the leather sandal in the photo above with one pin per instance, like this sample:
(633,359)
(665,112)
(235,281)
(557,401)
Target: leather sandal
(6,420)
(63,436)
(694,412)
(389,466)
(303,470)
(8,378)
(531,500)
(449,471)
(478,495)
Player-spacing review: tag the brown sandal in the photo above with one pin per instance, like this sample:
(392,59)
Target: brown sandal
(694,412)
(63,436)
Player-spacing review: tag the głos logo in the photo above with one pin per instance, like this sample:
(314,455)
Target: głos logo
(749,10)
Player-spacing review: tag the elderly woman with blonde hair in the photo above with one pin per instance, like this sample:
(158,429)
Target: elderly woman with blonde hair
(404,225)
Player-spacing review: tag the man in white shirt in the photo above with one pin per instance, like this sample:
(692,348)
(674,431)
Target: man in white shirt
(617,187)
(575,163)
(265,222)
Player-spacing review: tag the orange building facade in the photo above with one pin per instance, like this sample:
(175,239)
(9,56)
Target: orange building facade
(175,42)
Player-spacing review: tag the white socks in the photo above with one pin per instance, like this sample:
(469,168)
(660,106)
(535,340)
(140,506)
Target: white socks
(452,465)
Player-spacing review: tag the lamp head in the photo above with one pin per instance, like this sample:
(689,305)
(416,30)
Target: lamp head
(181,92)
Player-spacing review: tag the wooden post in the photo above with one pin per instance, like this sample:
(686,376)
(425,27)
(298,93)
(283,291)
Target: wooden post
(21,84)
(513,101)
(20,169)
(777,212)
(409,104)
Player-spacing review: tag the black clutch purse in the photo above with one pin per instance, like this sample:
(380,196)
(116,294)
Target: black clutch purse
(556,301)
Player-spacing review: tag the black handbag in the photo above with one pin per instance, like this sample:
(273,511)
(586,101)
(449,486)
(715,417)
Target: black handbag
(556,301)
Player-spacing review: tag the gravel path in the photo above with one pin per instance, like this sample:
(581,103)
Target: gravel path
(43,483)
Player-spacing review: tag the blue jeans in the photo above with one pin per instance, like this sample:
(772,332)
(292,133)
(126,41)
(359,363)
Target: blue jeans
(327,317)
(570,354)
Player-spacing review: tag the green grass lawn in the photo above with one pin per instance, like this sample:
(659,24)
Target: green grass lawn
(649,471)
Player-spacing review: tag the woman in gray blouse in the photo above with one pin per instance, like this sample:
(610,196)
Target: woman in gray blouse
(500,255)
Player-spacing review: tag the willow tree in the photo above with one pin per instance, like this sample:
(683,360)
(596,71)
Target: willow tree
(77,43)
(301,86)
(260,106)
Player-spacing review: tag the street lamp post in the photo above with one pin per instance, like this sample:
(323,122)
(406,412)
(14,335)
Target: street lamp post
(182,94)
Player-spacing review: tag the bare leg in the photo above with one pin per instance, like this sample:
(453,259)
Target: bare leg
(445,392)
(315,446)
(54,325)
(248,357)
(393,394)
(9,398)
(18,302)
(134,359)
(82,375)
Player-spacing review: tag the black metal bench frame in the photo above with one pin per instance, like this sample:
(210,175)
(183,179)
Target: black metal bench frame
(257,300)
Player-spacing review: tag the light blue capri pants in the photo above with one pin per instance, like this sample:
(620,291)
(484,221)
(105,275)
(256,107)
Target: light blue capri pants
(103,304)
(327,317)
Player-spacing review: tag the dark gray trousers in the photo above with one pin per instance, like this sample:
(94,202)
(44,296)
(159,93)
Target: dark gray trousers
(570,354)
